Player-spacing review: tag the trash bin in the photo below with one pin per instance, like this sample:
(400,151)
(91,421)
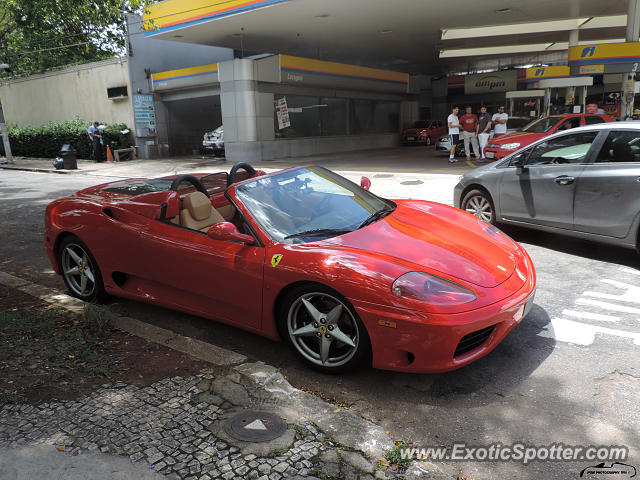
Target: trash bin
(68,155)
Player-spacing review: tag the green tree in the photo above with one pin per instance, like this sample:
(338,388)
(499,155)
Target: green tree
(38,35)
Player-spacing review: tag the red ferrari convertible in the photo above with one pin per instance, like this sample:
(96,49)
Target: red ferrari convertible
(342,276)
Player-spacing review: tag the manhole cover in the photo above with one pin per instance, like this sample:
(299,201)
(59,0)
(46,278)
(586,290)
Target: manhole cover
(255,426)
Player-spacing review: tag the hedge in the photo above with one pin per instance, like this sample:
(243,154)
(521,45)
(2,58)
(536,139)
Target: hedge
(45,141)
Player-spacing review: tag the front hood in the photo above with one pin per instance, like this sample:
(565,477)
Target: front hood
(524,138)
(431,237)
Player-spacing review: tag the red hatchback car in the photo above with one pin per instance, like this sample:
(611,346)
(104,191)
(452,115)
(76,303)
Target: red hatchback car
(504,145)
(424,132)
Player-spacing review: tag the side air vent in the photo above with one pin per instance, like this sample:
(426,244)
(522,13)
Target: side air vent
(473,340)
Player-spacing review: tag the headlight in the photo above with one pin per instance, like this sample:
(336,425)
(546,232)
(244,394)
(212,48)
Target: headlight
(422,132)
(511,146)
(435,290)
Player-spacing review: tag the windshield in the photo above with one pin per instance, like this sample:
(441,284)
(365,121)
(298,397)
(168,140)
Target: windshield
(421,124)
(542,125)
(308,204)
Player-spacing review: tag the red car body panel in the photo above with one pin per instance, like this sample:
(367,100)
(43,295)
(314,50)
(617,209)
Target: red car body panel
(418,135)
(144,259)
(527,138)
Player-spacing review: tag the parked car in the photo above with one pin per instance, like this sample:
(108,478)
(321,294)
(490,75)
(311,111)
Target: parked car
(423,132)
(213,142)
(341,275)
(504,145)
(583,182)
(514,124)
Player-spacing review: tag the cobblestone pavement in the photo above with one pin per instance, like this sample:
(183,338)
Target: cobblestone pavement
(170,427)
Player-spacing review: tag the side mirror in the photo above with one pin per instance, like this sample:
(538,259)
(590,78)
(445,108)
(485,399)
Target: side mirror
(365,183)
(227,231)
(520,167)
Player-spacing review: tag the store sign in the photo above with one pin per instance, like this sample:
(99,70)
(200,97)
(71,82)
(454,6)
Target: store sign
(144,114)
(534,74)
(490,82)
(591,69)
(282,112)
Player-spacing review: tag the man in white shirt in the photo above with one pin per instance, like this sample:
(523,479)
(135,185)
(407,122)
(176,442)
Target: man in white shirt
(499,121)
(454,133)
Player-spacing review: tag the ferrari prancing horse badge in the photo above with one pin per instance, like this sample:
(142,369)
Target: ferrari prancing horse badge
(275,260)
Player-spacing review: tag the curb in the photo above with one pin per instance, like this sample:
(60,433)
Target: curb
(35,169)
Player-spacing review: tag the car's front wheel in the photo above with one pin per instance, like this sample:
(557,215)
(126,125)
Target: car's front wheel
(80,270)
(428,141)
(479,203)
(323,329)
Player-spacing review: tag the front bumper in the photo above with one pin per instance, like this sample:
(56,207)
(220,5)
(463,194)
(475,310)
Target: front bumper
(414,140)
(496,153)
(418,342)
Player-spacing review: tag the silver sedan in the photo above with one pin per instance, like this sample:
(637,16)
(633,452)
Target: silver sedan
(583,182)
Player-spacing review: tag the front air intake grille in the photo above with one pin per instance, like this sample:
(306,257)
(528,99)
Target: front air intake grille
(473,340)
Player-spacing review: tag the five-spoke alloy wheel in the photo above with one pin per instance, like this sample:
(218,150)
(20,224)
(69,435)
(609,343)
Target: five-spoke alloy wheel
(479,204)
(323,329)
(80,270)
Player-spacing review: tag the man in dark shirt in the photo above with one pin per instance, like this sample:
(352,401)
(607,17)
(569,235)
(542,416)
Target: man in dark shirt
(469,122)
(484,127)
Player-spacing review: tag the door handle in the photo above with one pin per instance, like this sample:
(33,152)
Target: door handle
(564,180)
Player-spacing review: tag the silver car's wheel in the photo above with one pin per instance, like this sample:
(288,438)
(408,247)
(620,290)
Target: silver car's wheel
(323,329)
(79,270)
(479,204)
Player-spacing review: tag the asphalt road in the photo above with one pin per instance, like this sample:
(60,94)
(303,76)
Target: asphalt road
(570,373)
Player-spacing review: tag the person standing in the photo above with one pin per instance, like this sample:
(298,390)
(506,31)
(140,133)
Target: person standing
(95,137)
(469,122)
(499,121)
(484,125)
(454,132)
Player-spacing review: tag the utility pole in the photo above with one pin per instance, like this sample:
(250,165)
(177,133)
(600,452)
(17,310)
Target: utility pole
(3,126)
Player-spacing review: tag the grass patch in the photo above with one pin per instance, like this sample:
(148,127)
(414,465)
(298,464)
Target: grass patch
(301,431)
(279,451)
(394,456)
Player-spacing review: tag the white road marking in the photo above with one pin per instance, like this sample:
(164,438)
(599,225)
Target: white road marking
(608,306)
(630,270)
(590,316)
(583,334)
(632,293)
(580,333)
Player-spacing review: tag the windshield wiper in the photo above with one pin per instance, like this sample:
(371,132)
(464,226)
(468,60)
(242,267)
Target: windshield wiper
(375,216)
(318,232)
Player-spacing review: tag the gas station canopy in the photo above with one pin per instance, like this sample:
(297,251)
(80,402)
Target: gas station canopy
(405,35)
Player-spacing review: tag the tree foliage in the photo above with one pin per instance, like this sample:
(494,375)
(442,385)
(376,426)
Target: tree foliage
(38,35)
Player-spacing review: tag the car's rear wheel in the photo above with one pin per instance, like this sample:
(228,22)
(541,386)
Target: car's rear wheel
(459,152)
(479,203)
(80,271)
(323,329)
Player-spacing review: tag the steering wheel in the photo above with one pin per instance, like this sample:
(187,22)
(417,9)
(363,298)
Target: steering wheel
(197,184)
(231,179)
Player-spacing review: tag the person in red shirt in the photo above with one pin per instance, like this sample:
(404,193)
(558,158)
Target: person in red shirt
(469,122)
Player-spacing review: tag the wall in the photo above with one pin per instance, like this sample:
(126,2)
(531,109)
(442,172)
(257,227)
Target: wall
(64,94)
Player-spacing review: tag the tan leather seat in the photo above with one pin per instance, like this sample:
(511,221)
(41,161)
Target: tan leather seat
(198,213)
